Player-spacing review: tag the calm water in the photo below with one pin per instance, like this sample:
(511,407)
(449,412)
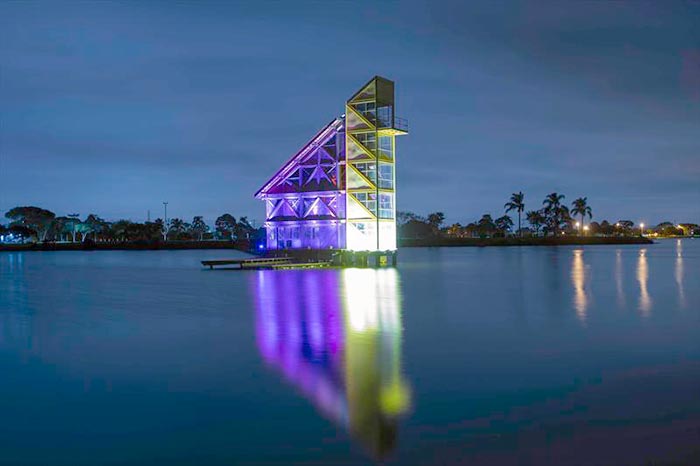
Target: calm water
(520,356)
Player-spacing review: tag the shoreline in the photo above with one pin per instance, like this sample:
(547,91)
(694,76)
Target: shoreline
(540,241)
(244,246)
(133,246)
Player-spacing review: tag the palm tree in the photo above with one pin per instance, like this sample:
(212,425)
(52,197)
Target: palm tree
(485,226)
(435,219)
(553,201)
(536,219)
(504,224)
(554,211)
(581,207)
(177,226)
(516,203)
(199,227)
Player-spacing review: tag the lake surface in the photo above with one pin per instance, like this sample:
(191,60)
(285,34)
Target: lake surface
(522,356)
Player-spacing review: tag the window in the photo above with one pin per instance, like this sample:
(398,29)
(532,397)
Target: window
(386,145)
(369,140)
(386,205)
(386,176)
(385,116)
(367,109)
(368,169)
(369,200)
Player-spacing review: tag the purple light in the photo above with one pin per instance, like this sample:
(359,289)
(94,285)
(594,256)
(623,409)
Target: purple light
(304,331)
(315,228)
(299,327)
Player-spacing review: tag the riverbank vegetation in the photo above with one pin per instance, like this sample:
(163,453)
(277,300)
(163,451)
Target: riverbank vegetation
(554,222)
(32,224)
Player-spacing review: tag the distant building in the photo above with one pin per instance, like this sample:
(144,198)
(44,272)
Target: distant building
(338,191)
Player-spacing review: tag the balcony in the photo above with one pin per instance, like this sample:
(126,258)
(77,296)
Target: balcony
(399,126)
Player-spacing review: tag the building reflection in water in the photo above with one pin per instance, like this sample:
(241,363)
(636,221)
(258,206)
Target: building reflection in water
(643,279)
(578,279)
(336,336)
(678,273)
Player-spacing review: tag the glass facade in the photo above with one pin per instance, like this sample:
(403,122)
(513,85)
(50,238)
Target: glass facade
(386,176)
(369,140)
(386,147)
(369,169)
(386,205)
(385,116)
(375,104)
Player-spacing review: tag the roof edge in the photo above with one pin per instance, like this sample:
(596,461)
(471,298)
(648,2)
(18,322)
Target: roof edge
(282,172)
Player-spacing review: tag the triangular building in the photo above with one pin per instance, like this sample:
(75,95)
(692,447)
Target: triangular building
(339,190)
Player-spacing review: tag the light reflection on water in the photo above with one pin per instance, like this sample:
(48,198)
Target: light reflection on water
(645,301)
(619,277)
(336,337)
(578,278)
(678,273)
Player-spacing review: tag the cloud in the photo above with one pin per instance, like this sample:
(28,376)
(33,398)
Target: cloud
(690,73)
(202,103)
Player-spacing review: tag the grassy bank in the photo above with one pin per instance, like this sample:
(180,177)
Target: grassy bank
(130,246)
(549,241)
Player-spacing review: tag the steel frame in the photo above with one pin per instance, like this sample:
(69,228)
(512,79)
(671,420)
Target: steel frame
(314,200)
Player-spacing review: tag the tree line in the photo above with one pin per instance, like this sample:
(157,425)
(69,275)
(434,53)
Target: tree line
(30,222)
(553,218)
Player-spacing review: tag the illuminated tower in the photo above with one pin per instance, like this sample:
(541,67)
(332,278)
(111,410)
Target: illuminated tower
(370,158)
(339,190)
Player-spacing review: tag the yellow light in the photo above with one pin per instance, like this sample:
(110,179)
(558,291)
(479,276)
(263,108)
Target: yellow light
(395,398)
(585,228)
(641,225)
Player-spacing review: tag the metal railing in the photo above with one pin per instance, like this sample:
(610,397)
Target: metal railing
(401,124)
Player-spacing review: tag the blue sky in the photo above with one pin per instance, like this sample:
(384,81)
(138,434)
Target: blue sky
(111,108)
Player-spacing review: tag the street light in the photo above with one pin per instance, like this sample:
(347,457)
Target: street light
(641,227)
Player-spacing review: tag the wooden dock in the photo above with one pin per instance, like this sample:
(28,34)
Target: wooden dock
(300,265)
(247,263)
(309,259)
(257,263)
